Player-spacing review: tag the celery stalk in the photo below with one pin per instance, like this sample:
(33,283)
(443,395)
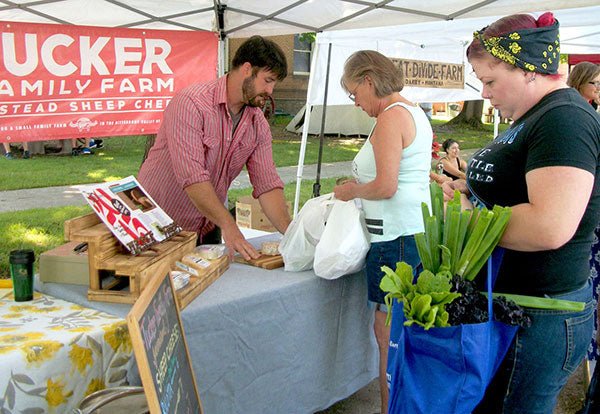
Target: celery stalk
(423,250)
(485,216)
(431,233)
(487,245)
(465,217)
(542,303)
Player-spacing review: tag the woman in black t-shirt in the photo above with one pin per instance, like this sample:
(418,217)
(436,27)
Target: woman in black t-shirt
(546,167)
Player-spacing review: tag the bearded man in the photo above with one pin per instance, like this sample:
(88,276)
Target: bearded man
(209,132)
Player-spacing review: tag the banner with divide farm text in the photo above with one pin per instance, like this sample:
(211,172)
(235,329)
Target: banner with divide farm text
(62,81)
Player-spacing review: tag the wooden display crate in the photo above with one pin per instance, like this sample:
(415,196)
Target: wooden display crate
(115,274)
(198,284)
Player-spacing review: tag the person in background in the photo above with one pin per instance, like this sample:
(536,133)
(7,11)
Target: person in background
(452,165)
(81,146)
(545,166)
(8,154)
(585,78)
(391,178)
(210,131)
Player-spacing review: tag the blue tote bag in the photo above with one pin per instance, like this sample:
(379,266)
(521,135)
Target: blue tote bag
(444,370)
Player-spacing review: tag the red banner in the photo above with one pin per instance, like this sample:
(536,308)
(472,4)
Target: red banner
(75,81)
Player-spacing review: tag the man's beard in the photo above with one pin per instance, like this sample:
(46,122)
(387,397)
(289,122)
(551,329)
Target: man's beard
(250,96)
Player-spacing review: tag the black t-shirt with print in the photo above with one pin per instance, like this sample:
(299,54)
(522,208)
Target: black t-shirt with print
(561,130)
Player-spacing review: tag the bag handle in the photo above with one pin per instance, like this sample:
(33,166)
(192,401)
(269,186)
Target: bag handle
(490,267)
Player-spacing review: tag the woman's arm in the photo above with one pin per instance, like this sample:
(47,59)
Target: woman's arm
(394,127)
(439,178)
(558,197)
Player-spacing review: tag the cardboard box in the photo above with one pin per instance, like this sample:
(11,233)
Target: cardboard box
(249,214)
(63,265)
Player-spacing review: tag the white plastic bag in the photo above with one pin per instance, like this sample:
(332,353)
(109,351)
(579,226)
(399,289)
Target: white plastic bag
(297,247)
(344,243)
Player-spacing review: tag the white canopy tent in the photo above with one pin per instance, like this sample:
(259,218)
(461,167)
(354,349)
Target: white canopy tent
(243,18)
(442,41)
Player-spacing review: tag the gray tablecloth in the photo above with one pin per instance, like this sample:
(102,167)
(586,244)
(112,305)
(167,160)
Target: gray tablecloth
(269,341)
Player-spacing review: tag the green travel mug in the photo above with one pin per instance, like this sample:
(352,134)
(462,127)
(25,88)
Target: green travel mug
(21,271)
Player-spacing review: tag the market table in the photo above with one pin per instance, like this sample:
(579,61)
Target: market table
(53,353)
(270,341)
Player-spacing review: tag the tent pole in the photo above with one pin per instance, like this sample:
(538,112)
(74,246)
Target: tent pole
(305,127)
(223,49)
(496,122)
(317,184)
(222,56)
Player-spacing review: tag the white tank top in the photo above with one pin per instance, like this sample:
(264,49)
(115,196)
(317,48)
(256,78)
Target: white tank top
(400,215)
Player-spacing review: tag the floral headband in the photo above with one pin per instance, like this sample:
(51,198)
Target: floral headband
(534,50)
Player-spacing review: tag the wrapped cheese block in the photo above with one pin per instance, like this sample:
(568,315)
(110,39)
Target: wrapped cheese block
(180,278)
(201,265)
(210,251)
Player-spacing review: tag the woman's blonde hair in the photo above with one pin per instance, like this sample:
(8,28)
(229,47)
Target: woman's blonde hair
(387,78)
(581,74)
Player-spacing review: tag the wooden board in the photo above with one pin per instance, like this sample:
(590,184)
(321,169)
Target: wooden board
(198,284)
(264,261)
(161,351)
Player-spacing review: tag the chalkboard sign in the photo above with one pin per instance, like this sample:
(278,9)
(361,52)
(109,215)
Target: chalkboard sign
(161,351)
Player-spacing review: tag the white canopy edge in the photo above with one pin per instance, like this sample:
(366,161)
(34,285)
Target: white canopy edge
(243,18)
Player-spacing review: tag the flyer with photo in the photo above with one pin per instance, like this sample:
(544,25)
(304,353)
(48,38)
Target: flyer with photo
(130,213)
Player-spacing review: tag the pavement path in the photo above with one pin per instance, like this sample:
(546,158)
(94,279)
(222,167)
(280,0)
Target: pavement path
(17,200)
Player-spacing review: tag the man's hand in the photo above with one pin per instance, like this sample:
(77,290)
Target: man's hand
(208,204)
(235,242)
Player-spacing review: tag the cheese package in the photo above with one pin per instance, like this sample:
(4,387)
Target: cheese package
(180,279)
(210,251)
(186,268)
(199,264)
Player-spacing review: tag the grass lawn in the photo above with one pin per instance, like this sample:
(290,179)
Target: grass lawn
(42,229)
(467,138)
(37,229)
(122,156)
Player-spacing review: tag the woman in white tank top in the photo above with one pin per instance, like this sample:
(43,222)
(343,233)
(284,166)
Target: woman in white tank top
(392,177)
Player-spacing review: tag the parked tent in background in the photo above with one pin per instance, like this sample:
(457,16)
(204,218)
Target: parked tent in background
(341,120)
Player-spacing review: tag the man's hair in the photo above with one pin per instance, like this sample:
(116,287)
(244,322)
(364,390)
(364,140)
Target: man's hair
(581,74)
(261,53)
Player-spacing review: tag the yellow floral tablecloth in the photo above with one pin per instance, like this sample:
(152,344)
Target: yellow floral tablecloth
(53,353)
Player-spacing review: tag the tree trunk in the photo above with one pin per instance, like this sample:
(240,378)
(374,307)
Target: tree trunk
(470,114)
